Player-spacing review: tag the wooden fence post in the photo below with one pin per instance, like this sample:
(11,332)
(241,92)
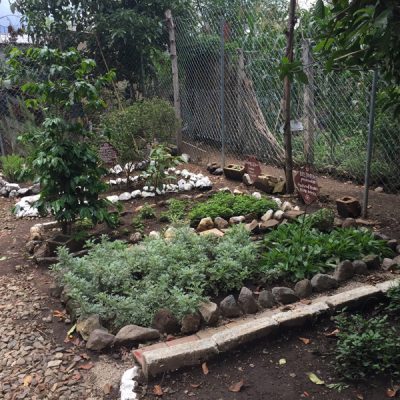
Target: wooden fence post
(175,76)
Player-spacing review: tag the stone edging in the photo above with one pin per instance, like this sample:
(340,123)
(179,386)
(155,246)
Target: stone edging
(194,349)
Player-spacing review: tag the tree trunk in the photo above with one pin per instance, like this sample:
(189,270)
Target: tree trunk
(287,111)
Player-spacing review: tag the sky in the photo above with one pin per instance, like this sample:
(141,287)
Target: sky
(5,10)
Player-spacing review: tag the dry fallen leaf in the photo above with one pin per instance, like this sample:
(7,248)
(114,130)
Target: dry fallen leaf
(158,391)
(282,361)
(314,379)
(27,380)
(86,366)
(195,385)
(107,388)
(392,392)
(305,340)
(205,368)
(236,387)
(332,334)
(359,396)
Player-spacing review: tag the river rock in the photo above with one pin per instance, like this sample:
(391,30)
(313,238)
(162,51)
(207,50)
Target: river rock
(247,302)
(344,271)
(349,223)
(85,326)
(237,220)
(191,323)
(99,340)
(360,268)
(130,334)
(209,312)
(229,308)
(205,224)
(165,322)
(322,282)
(372,261)
(266,299)
(284,295)
(221,223)
(303,289)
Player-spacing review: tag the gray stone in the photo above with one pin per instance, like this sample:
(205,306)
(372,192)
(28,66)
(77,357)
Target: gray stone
(205,224)
(229,308)
(218,172)
(85,326)
(398,249)
(165,322)
(380,236)
(23,192)
(55,290)
(266,299)
(284,295)
(303,289)
(209,312)
(322,282)
(99,340)
(35,188)
(247,180)
(3,191)
(191,323)
(388,264)
(344,271)
(237,220)
(349,223)
(360,268)
(252,227)
(247,301)
(221,223)
(135,237)
(131,334)
(267,225)
(393,243)
(372,261)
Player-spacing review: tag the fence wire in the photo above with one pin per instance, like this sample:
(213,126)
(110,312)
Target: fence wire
(329,113)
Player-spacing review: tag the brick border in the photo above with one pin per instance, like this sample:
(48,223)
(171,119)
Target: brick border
(194,349)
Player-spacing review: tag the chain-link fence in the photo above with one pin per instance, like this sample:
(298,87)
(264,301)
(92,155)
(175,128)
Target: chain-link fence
(232,99)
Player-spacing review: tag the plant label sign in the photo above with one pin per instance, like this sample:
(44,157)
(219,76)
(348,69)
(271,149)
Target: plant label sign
(107,153)
(252,167)
(306,183)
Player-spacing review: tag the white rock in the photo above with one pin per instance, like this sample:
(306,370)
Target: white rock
(278,215)
(148,194)
(113,199)
(124,196)
(170,233)
(204,183)
(113,182)
(124,180)
(129,167)
(225,189)
(296,208)
(267,216)
(286,206)
(178,172)
(148,188)
(171,170)
(187,187)
(13,194)
(257,195)
(277,201)
(12,186)
(185,173)
(129,383)
(119,181)
(111,171)
(136,193)
(185,158)
(154,235)
(181,184)
(118,169)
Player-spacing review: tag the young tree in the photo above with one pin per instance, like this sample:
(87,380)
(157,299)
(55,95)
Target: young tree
(63,85)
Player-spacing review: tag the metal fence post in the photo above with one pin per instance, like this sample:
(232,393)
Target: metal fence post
(370,143)
(222,90)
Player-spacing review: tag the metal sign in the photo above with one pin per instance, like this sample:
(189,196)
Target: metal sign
(252,167)
(307,186)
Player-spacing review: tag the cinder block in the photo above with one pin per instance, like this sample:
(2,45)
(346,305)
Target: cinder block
(181,355)
(300,315)
(353,298)
(244,333)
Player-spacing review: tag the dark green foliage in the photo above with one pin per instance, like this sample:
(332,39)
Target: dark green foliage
(394,297)
(176,211)
(146,212)
(129,284)
(64,160)
(322,219)
(297,251)
(12,167)
(132,130)
(227,205)
(366,347)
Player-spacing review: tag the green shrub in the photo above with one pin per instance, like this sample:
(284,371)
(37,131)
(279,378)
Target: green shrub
(146,212)
(129,284)
(227,205)
(298,251)
(322,219)
(176,211)
(12,167)
(131,130)
(394,299)
(366,347)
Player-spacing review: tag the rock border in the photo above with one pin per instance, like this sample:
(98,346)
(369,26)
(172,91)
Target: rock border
(194,349)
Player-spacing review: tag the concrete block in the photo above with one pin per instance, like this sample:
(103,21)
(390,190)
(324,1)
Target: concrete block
(243,333)
(352,298)
(384,287)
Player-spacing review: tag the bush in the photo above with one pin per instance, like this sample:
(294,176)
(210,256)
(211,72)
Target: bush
(13,167)
(366,347)
(176,211)
(394,298)
(131,130)
(227,205)
(129,284)
(298,251)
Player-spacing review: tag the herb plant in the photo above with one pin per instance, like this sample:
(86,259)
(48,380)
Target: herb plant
(176,211)
(129,284)
(227,205)
(12,167)
(366,347)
